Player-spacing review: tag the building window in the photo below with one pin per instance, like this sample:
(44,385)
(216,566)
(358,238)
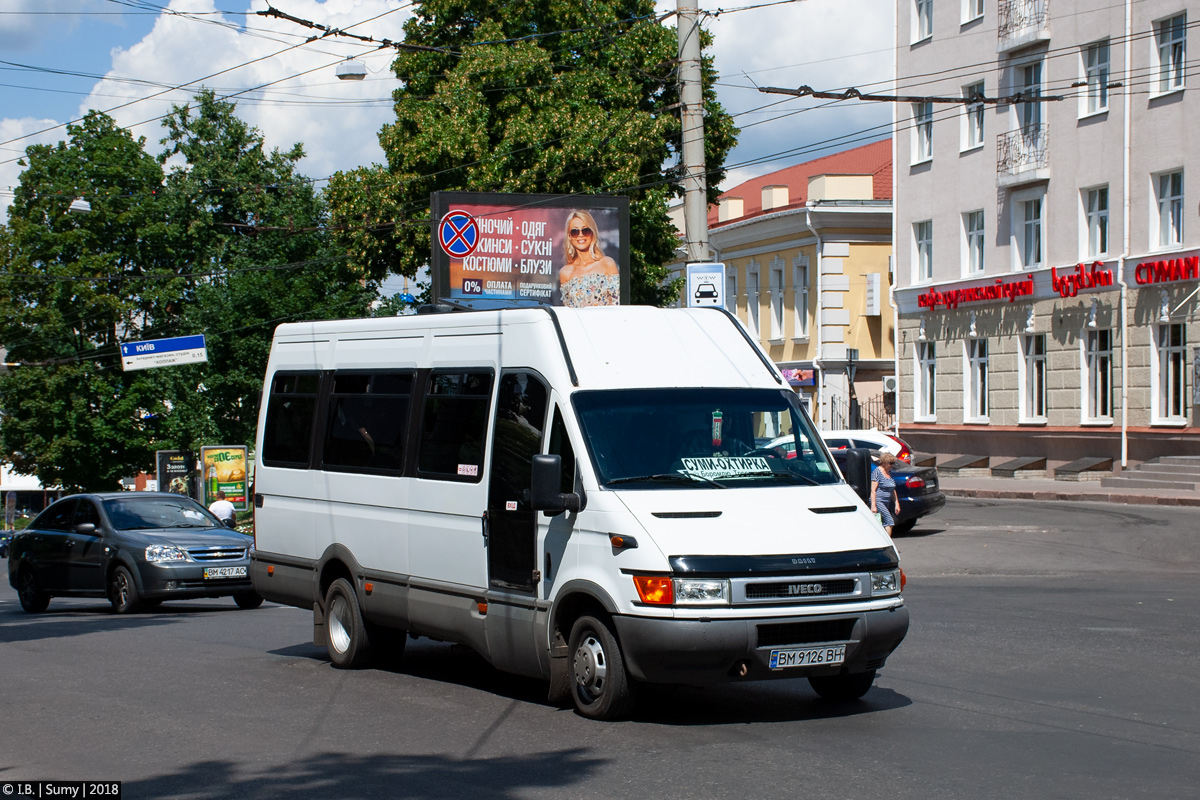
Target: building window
(752,298)
(1170,373)
(1170,36)
(1095,209)
(973,239)
(731,297)
(923,250)
(1031,232)
(922,132)
(1030,112)
(971,10)
(1095,71)
(1098,357)
(1168,192)
(972,134)
(800,289)
(776,285)
(926,383)
(923,14)
(1033,378)
(977,380)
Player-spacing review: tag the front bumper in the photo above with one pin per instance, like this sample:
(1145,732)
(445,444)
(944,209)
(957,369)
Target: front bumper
(182,580)
(704,652)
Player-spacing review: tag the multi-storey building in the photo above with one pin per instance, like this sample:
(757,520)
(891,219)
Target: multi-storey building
(807,255)
(1047,240)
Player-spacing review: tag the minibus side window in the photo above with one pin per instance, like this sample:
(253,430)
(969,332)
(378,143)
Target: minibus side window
(454,425)
(287,440)
(368,421)
(560,445)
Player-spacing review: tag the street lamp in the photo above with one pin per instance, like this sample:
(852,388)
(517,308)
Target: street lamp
(79,206)
(351,70)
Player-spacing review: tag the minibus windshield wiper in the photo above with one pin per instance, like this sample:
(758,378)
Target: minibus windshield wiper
(673,477)
(790,476)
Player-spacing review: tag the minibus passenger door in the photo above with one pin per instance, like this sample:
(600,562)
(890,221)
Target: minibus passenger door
(512,522)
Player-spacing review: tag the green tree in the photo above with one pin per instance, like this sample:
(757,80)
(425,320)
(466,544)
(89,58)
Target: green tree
(529,96)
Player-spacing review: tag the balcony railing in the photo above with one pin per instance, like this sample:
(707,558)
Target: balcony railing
(1020,21)
(1022,150)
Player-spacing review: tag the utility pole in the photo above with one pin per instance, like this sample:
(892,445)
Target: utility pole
(691,93)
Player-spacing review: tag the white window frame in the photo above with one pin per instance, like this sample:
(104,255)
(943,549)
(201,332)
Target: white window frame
(973,242)
(753,298)
(800,277)
(1169,375)
(975,368)
(1095,231)
(922,133)
(1032,379)
(1170,53)
(923,251)
(922,18)
(973,117)
(1096,65)
(971,10)
(1023,230)
(925,382)
(1096,349)
(1168,211)
(775,284)
(731,295)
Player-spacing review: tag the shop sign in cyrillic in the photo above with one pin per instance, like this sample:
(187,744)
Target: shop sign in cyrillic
(1167,270)
(1093,276)
(1000,290)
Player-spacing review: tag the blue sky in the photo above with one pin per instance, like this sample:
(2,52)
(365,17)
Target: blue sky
(141,47)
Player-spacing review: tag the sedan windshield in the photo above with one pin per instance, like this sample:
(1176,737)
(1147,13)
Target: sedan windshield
(145,513)
(700,438)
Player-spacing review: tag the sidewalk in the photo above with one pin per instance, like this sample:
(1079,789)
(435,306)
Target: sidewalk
(1050,489)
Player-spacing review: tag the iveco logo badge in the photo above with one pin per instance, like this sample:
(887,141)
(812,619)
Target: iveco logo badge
(804,588)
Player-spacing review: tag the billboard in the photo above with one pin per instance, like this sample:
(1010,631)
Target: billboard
(176,471)
(503,250)
(223,469)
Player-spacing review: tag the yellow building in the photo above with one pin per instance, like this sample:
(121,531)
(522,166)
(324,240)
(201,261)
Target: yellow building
(807,253)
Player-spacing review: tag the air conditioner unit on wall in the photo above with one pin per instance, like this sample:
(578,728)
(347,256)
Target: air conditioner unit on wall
(891,383)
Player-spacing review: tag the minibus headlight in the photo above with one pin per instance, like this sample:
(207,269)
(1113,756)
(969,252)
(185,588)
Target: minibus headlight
(701,592)
(885,582)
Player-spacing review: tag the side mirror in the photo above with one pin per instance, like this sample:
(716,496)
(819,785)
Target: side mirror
(85,529)
(544,495)
(855,464)
(229,523)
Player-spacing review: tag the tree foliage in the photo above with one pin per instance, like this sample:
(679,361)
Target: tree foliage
(216,236)
(529,96)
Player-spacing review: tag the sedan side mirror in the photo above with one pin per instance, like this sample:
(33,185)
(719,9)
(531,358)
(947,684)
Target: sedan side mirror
(85,529)
(544,478)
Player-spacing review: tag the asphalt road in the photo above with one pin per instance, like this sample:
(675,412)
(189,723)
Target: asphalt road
(1052,654)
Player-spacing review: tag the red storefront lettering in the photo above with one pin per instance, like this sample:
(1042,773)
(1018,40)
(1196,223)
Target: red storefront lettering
(1175,269)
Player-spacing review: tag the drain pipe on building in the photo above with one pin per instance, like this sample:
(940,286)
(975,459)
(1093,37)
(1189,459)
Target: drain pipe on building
(818,367)
(1125,202)
(896,345)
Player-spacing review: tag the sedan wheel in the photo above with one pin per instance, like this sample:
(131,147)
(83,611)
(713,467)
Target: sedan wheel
(122,591)
(29,591)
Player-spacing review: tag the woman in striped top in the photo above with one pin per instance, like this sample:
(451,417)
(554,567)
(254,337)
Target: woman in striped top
(884,500)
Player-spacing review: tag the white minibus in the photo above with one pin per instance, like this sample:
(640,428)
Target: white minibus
(579,495)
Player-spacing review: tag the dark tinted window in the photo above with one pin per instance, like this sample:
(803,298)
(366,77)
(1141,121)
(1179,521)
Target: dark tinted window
(453,425)
(290,410)
(57,517)
(87,512)
(868,445)
(368,421)
(560,445)
(520,415)
(836,444)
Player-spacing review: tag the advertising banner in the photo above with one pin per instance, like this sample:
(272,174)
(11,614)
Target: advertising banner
(176,471)
(504,250)
(223,469)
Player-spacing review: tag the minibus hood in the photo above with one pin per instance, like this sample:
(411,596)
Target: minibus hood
(755,521)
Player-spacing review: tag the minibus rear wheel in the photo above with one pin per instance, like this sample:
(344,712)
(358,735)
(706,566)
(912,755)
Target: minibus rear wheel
(600,685)
(345,632)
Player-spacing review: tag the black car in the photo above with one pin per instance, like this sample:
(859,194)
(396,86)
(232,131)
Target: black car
(916,487)
(135,548)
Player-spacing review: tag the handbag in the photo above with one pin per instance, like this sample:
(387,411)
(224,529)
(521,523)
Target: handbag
(879,518)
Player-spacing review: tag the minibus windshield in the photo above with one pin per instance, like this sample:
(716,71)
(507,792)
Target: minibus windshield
(701,438)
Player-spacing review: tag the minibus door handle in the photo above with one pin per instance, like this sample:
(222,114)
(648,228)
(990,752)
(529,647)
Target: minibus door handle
(484,520)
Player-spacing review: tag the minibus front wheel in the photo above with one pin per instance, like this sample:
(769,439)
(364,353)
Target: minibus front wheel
(601,686)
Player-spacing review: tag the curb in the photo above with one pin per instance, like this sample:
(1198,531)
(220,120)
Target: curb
(1093,497)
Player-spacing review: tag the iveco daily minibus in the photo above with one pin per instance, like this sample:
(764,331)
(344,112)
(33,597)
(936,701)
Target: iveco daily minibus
(579,495)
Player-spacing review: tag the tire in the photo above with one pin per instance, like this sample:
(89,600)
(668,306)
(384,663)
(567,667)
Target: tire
(901,528)
(248,599)
(600,685)
(345,631)
(122,592)
(843,687)
(29,591)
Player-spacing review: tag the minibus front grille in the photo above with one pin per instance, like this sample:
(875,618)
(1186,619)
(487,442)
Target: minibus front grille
(801,589)
(831,630)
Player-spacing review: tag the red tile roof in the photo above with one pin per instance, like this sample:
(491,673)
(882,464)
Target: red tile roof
(873,159)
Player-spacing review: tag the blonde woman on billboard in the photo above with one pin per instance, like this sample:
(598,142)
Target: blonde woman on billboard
(588,277)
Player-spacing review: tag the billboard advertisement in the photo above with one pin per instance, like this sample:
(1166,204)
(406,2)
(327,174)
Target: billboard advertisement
(223,469)
(176,471)
(503,250)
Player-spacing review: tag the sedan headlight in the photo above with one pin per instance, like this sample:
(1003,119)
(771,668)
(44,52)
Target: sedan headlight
(884,583)
(165,552)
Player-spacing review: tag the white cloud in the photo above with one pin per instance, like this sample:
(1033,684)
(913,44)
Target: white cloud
(28,23)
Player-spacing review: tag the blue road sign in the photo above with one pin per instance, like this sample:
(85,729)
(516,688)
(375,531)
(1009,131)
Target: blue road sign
(163,352)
